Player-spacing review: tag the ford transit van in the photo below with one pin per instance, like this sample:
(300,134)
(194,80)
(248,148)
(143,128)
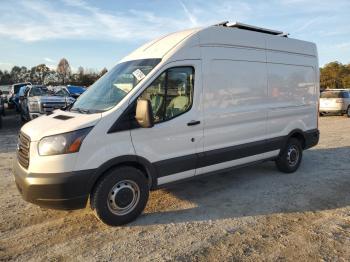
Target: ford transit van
(190,103)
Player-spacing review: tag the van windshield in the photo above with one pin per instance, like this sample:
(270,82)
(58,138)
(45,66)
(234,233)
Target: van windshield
(110,89)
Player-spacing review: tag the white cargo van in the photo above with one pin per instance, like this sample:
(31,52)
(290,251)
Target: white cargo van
(186,104)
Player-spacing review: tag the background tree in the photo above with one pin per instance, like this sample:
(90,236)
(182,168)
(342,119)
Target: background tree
(103,71)
(41,74)
(81,71)
(6,78)
(64,70)
(15,73)
(38,73)
(335,75)
(51,78)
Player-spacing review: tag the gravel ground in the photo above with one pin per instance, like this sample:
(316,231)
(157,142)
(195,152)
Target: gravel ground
(250,214)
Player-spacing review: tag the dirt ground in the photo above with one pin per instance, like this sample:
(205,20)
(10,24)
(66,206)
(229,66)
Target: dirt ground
(250,214)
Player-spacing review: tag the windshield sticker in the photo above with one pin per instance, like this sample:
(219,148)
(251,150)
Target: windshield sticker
(138,74)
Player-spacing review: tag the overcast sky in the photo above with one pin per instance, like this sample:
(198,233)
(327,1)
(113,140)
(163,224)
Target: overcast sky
(96,34)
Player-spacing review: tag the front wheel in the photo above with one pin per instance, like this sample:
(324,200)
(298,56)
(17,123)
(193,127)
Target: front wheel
(290,157)
(121,196)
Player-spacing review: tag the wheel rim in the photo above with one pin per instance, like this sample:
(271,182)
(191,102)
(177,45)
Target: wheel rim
(293,155)
(123,197)
(348,111)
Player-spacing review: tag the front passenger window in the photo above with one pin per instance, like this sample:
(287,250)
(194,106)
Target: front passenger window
(171,93)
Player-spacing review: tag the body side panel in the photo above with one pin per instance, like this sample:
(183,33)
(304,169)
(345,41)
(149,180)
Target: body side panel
(234,102)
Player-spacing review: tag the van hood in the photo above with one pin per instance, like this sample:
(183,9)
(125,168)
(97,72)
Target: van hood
(58,122)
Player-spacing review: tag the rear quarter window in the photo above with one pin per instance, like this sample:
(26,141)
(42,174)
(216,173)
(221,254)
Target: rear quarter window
(334,94)
(345,94)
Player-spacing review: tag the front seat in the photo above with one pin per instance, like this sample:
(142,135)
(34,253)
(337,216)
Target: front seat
(178,104)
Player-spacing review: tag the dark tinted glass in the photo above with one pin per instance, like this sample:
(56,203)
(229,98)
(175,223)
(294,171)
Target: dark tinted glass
(335,94)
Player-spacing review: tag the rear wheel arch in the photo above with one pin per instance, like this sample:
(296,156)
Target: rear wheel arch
(298,134)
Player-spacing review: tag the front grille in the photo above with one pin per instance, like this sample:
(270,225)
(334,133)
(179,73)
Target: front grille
(50,106)
(23,150)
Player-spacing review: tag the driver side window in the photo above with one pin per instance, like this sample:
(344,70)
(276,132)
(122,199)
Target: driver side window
(171,94)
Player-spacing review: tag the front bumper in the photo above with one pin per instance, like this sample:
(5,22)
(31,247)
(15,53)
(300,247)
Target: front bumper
(339,109)
(58,191)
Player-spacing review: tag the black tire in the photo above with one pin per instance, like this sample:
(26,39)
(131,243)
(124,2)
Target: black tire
(290,157)
(130,181)
(348,111)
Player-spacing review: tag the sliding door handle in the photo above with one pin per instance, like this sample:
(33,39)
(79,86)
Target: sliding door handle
(193,123)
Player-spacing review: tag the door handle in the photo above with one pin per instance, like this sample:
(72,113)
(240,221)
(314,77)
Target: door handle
(193,123)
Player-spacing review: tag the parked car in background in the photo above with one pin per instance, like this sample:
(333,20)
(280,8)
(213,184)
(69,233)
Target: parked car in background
(75,91)
(5,93)
(335,101)
(14,98)
(37,100)
(62,91)
(2,109)
(2,103)
(0,118)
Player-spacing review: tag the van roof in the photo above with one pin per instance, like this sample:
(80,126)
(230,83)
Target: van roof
(159,47)
(225,34)
(252,28)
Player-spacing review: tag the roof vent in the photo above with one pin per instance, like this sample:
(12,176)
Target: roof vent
(252,28)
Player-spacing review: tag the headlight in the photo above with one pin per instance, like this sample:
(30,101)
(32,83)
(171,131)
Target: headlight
(34,106)
(63,143)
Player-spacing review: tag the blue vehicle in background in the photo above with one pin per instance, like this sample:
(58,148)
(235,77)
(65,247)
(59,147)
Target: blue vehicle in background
(13,101)
(75,91)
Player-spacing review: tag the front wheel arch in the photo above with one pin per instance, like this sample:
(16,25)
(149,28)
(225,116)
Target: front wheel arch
(137,162)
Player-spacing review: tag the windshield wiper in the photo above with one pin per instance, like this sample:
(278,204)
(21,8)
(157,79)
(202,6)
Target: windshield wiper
(81,110)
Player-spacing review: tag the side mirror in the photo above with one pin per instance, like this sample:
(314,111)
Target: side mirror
(144,113)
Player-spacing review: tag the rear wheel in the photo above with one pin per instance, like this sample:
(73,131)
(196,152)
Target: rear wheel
(290,157)
(121,196)
(348,111)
